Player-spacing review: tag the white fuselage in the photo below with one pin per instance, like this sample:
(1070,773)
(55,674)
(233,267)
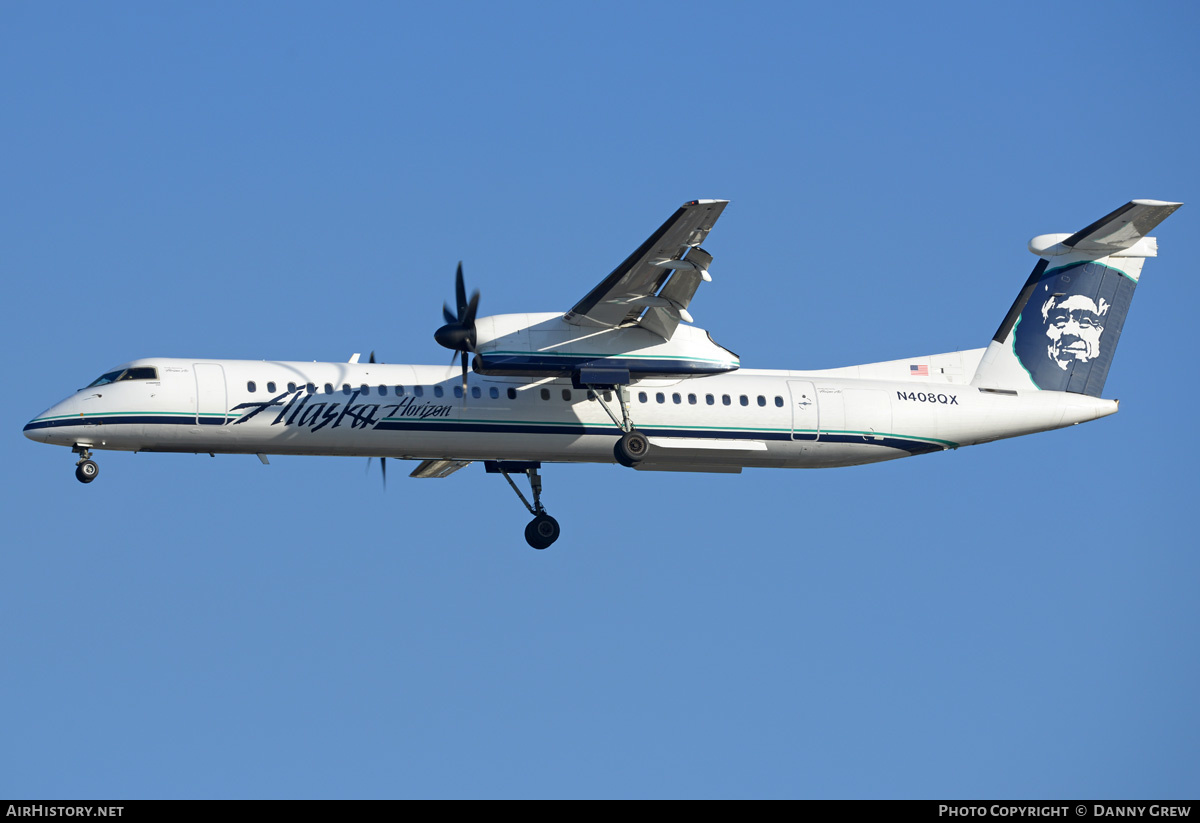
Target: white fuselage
(722,422)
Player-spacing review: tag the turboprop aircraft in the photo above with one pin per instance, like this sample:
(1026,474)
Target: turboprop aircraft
(625,377)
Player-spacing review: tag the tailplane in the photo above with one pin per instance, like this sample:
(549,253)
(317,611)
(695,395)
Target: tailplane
(1061,332)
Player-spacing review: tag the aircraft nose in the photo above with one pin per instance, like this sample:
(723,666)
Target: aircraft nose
(42,427)
(35,430)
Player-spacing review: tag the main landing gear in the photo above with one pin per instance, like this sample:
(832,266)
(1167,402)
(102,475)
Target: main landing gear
(632,446)
(86,469)
(543,530)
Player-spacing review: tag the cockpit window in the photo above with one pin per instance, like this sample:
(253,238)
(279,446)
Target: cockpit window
(139,373)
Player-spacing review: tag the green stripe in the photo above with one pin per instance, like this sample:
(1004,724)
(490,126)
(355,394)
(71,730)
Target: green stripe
(702,429)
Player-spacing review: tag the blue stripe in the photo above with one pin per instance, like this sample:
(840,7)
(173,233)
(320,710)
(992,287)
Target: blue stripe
(123,420)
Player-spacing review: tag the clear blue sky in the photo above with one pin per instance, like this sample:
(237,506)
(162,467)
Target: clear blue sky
(297,181)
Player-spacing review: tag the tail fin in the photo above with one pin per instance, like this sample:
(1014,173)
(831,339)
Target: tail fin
(1061,332)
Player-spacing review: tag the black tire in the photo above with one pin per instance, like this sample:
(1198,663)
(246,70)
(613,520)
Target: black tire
(542,531)
(86,471)
(631,449)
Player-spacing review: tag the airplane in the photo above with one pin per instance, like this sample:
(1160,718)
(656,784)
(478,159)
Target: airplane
(625,376)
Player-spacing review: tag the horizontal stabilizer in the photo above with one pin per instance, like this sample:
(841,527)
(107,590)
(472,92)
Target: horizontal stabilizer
(1120,233)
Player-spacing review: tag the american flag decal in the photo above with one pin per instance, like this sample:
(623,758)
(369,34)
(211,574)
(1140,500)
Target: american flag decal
(918,371)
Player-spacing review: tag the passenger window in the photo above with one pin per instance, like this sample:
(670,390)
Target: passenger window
(311,388)
(250,387)
(437,391)
(494,393)
(329,388)
(762,401)
(366,390)
(567,395)
(676,399)
(345,388)
(745,401)
(512,394)
(660,397)
(779,401)
(399,391)
(642,397)
(709,399)
(608,397)
(725,400)
(457,392)
(383,391)
(545,394)
(291,386)
(271,387)
(691,399)
(419,391)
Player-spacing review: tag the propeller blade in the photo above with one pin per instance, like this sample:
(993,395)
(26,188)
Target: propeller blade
(469,319)
(464,372)
(459,333)
(371,359)
(460,291)
(382,468)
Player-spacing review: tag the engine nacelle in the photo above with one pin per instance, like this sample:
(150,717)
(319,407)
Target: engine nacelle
(546,345)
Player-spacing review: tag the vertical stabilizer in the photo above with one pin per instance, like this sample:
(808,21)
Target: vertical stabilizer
(1063,328)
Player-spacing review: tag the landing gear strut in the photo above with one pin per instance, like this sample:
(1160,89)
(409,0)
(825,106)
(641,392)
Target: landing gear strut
(543,530)
(85,469)
(632,447)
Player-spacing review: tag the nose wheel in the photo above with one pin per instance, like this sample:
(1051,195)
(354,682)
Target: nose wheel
(86,469)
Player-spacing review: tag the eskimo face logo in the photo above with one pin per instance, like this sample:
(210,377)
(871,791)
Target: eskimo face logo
(1074,325)
(1070,324)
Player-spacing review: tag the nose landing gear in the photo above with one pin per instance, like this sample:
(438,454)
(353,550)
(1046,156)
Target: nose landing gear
(543,530)
(86,469)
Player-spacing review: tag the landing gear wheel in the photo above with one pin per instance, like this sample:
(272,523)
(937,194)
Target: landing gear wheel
(542,531)
(631,448)
(86,471)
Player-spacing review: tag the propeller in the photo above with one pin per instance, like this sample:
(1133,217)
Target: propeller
(382,468)
(459,332)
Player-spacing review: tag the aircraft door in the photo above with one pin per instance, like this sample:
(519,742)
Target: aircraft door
(210,394)
(805,414)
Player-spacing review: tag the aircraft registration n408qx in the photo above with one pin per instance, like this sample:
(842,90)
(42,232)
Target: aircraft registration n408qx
(625,377)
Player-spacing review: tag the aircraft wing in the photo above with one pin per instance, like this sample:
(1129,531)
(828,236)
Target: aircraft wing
(655,284)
